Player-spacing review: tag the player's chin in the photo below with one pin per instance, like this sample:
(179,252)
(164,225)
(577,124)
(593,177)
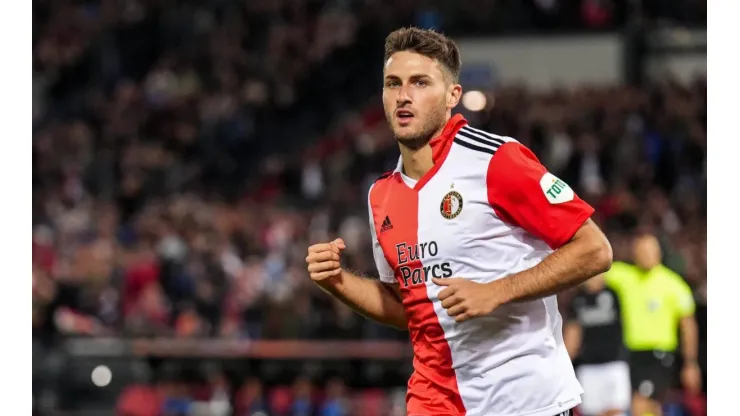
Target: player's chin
(409,141)
(404,133)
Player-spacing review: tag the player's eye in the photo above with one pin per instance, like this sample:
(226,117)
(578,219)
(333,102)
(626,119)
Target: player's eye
(421,83)
(392,84)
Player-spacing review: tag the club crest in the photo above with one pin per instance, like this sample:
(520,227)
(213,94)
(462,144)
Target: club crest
(452,205)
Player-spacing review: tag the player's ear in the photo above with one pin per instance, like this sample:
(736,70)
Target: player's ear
(454,92)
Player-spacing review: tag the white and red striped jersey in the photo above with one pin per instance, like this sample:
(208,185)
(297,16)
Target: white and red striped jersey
(487,209)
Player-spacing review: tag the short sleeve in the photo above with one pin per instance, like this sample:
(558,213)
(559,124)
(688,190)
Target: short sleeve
(523,193)
(683,297)
(384,269)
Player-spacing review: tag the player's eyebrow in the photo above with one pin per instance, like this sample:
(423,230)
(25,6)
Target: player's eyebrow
(417,77)
(414,77)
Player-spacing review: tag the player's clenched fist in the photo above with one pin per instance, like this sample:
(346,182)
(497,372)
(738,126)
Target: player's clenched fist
(464,299)
(323,260)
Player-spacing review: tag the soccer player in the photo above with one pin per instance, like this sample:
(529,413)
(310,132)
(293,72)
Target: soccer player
(593,337)
(473,238)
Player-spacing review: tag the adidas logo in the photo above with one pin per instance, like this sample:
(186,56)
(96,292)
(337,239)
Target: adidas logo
(386,224)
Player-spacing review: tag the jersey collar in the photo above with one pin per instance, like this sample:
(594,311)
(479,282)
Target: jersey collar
(441,144)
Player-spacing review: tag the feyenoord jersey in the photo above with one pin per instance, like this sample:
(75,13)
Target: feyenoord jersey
(487,209)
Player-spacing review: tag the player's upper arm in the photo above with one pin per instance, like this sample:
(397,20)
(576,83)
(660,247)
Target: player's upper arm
(522,192)
(385,271)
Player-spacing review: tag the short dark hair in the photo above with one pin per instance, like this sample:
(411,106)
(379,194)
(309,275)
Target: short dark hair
(425,42)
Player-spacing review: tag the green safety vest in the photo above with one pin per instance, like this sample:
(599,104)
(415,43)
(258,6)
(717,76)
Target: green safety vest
(653,303)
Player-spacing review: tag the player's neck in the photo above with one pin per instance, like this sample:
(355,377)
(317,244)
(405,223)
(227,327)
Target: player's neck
(417,162)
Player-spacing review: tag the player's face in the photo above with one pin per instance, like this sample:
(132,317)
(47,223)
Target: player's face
(417,97)
(646,252)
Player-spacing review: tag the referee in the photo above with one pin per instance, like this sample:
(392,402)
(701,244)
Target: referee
(656,304)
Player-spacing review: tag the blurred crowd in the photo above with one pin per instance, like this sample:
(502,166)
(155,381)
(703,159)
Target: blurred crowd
(165,202)
(186,153)
(148,262)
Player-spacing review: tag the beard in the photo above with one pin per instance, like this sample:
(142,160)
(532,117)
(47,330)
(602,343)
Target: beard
(419,138)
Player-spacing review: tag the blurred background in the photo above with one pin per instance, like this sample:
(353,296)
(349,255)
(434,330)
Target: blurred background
(186,153)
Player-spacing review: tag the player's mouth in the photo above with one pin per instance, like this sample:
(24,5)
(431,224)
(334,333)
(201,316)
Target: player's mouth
(404,116)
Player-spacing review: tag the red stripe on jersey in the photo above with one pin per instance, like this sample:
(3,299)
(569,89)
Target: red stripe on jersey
(447,205)
(441,146)
(432,389)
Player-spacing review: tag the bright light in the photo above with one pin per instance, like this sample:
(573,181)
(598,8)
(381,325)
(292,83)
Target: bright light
(101,376)
(474,100)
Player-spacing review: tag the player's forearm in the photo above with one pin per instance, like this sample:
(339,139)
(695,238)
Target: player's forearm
(689,339)
(370,298)
(585,256)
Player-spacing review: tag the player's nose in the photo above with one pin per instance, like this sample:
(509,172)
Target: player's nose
(403,96)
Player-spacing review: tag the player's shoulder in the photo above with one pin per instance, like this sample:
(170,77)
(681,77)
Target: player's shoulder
(482,143)
(382,181)
(381,185)
(499,156)
(384,176)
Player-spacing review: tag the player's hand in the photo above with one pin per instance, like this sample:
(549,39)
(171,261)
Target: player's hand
(323,260)
(691,377)
(464,299)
